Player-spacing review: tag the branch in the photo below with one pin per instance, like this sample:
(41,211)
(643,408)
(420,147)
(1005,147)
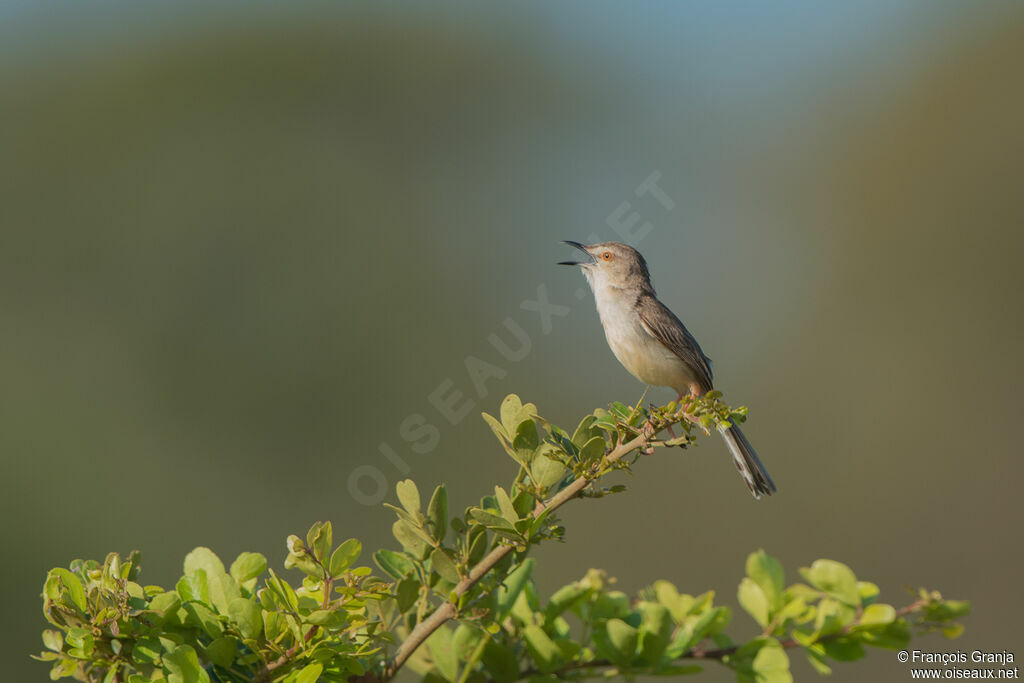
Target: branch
(438,617)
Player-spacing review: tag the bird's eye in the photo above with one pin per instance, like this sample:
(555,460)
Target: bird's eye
(607,256)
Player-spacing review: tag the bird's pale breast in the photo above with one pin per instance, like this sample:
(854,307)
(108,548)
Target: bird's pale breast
(642,355)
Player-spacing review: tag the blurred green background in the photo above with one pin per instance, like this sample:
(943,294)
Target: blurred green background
(242,243)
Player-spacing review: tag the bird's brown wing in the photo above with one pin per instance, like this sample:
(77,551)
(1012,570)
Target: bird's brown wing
(663,325)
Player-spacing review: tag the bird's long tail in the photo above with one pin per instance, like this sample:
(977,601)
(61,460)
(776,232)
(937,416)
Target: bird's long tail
(750,466)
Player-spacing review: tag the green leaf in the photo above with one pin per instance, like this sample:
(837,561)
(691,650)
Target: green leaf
(274,625)
(868,592)
(345,556)
(248,616)
(62,668)
(546,471)
(696,628)
(946,610)
(444,566)
(182,666)
(60,582)
(678,605)
(330,618)
(394,564)
(283,590)
(771,665)
(543,651)
(220,587)
(248,567)
(194,586)
(794,609)
(442,651)
(564,599)
(511,413)
(616,640)
(592,451)
(205,559)
(309,673)
(406,593)
(834,578)
(623,638)
(876,615)
(511,587)
(583,432)
(319,540)
(752,598)
(496,427)
(803,591)
(221,651)
(894,636)
(655,631)
(620,410)
(410,537)
(500,662)
(146,651)
(953,631)
(606,423)
(610,604)
(301,559)
(408,496)
(490,520)
(723,615)
(526,438)
(478,544)
(80,643)
(165,604)
(223,589)
(465,639)
(816,656)
(205,618)
(829,618)
(767,573)
(437,513)
(523,504)
(844,649)
(53,640)
(508,511)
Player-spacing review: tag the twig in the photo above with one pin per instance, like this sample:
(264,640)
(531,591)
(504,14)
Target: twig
(438,617)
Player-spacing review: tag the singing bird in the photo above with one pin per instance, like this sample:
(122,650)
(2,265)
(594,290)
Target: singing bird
(651,342)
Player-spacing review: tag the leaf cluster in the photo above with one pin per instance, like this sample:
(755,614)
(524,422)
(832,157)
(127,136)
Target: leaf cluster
(216,624)
(462,586)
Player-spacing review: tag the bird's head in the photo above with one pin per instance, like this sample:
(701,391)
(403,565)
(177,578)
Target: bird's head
(612,264)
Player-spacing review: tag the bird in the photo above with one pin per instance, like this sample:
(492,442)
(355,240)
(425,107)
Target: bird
(653,345)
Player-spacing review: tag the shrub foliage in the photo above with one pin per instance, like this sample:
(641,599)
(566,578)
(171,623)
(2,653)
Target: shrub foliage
(455,600)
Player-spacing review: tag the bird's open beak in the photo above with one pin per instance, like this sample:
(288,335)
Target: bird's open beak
(589,261)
